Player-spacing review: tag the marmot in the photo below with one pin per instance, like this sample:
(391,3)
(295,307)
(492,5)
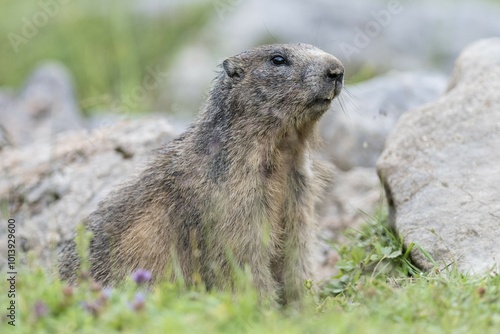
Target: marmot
(237,188)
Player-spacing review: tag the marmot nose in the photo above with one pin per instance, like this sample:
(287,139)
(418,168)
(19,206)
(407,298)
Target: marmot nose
(335,74)
(335,77)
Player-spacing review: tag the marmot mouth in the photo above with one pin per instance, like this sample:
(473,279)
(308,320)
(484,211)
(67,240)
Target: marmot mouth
(320,104)
(322,101)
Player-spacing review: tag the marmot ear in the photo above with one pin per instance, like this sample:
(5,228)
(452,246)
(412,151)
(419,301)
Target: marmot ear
(233,67)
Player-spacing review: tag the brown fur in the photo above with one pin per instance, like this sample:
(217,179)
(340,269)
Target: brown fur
(239,186)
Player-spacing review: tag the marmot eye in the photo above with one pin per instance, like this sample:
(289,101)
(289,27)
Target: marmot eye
(278,60)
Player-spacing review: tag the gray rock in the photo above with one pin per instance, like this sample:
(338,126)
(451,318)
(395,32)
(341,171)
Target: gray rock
(51,186)
(366,113)
(441,168)
(45,106)
(5,101)
(353,198)
(4,138)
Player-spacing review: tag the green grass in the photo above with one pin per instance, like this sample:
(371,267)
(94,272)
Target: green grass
(373,250)
(106,46)
(378,290)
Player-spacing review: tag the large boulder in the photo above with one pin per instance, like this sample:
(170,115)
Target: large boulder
(441,168)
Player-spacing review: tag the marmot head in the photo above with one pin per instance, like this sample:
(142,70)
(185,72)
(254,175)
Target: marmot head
(284,83)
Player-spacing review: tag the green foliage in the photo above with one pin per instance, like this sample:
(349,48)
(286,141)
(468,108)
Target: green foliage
(83,238)
(109,48)
(363,73)
(373,251)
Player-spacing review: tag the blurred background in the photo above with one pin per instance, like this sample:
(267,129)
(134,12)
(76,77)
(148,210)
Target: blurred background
(113,49)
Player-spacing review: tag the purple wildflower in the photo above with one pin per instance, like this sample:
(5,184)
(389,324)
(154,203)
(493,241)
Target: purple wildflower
(106,292)
(139,302)
(104,295)
(40,309)
(141,276)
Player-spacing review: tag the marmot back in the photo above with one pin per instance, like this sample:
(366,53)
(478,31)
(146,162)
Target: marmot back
(238,187)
